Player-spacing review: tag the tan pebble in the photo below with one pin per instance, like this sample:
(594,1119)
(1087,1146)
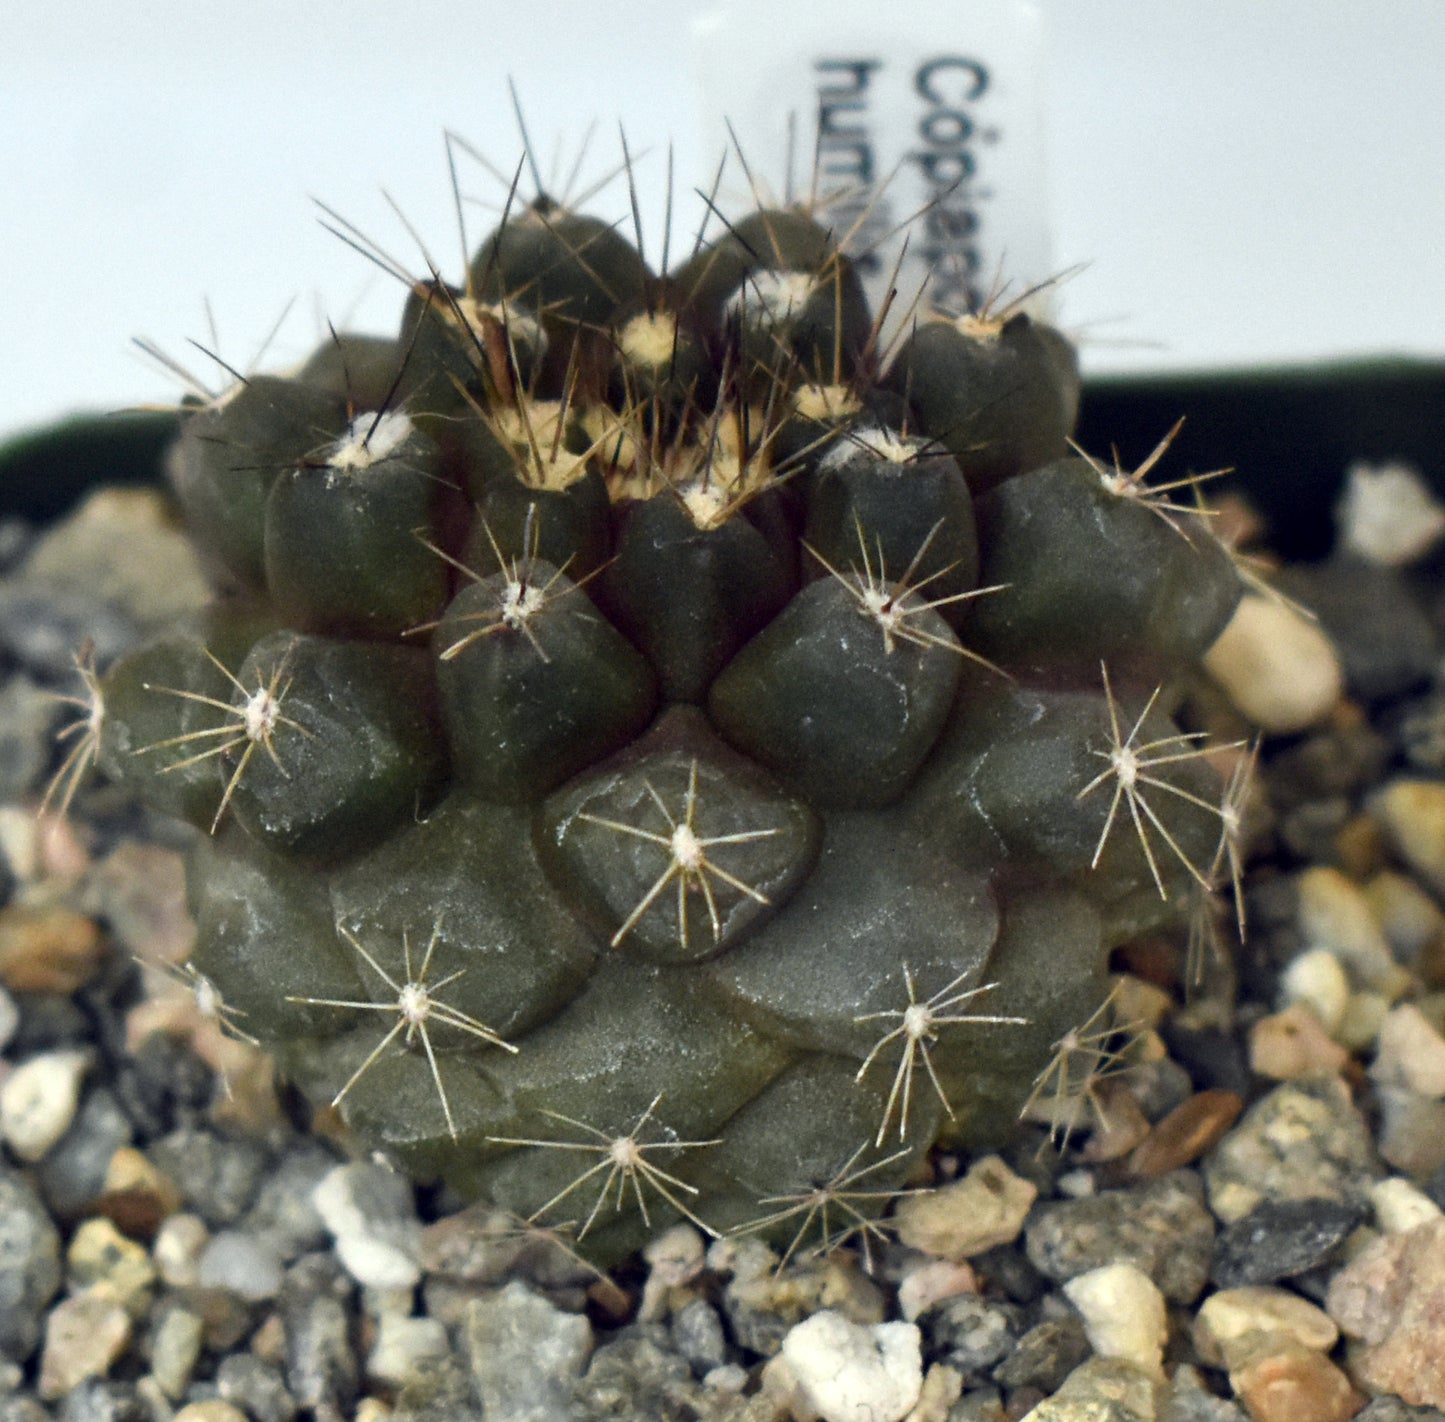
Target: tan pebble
(1118,1124)
(1360,848)
(984,1209)
(1413,814)
(136,1196)
(1334,913)
(1410,918)
(213,1409)
(1292,1044)
(1411,1134)
(1143,1004)
(1295,1384)
(1230,1316)
(1410,1053)
(268,1342)
(84,1335)
(140,890)
(931,1282)
(370,1409)
(1100,1388)
(1361,1020)
(1318,979)
(942,1387)
(1400,1206)
(1276,666)
(101,1258)
(50,949)
(1189,1130)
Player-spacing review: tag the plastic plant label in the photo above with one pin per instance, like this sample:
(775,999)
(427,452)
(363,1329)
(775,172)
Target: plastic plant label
(932,108)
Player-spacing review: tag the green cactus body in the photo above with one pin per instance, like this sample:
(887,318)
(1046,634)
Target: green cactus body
(668,757)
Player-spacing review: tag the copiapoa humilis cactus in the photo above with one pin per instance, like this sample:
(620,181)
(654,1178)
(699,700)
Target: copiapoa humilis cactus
(663,748)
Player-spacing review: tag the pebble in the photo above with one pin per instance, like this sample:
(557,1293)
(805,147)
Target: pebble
(926,1282)
(402,1346)
(1161,1227)
(1399,1207)
(762,1303)
(219,1174)
(1189,1400)
(1392,1296)
(1413,814)
(1279,1239)
(697,1335)
(73,1172)
(1123,1313)
(84,1335)
(1334,914)
(1391,1409)
(213,1409)
(38,1101)
(1411,1135)
(257,1388)
(241,1264)
(636,1376)
(674,1258)
(1287,1383)
(1365,1014)
(1190,1129)
(371,1212)
(48,948)
(971,1333)
(139,891)
(9,1018)
(1230,1320)
(1411,920)
(1102,1390)
(840,1371)
(177,1248)
(1304,1140)
(1045,1355)
(40,628)
(30,1269)
(1410,1053)
(283,1214)
(984,1209)
(1277,668)
(526,1354)
(27,723)
(321,1369)
(1387,514)
(1316,978)
(175,1347)
(134,1195)
(102,1259)
(1290,1045)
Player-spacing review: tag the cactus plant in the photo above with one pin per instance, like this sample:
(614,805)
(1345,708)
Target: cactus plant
(662,751)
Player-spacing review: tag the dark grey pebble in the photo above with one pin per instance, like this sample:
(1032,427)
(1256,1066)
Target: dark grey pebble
(969,1332)
(73,1171)
(1342,760)
(164,1084)
(48,1020)
(253,1385)
(16,537)
(1162,1227)
(1213,1058)
(1384,639)
(697,1334)
(220,1175)
(29,1265)
(1006,1267)
(1279,1239)
(636,1378)
(1045,1355)
(1190,1401)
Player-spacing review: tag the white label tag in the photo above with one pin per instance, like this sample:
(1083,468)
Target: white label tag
(934,111)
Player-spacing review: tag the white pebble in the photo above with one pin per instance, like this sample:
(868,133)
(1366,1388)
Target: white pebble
(1317,979)
(38,1101)
(1399,1206)
(1410,1053)
(370,1212)
(849,1372)
(402,1344)
(1387,515)
(1276,666)
(1124,1314)
(1229,1319)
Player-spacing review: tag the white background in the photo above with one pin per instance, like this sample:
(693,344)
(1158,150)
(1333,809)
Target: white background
(1250,181)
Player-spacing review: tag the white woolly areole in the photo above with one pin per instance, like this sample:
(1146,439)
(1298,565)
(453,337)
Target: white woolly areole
(772,296)
(1387,515)
(875,440)
(362,445)
(649,339)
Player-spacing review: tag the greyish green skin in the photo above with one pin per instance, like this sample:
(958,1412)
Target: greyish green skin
(675,800)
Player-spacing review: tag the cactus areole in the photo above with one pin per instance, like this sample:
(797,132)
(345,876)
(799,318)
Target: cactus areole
(664,745)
